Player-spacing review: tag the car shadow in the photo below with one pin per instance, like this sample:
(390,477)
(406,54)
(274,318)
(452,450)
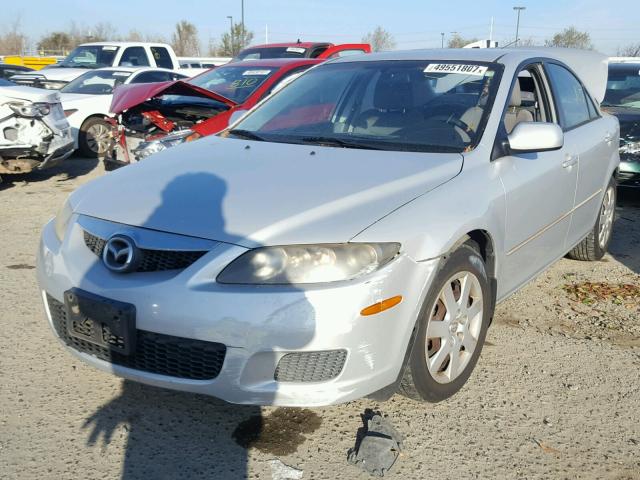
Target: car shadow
(625,242)
(170,434)
(71,168)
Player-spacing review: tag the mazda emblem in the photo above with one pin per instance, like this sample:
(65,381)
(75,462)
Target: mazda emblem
(120,254)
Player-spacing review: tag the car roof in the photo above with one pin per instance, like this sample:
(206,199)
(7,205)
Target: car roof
(291,44)
(133,69)
(591,67)
(126,44)
(274,62)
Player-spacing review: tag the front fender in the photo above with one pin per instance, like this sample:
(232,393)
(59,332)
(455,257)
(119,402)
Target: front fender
(431,225)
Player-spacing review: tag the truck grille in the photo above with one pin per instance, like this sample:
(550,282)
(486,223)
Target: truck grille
(310,366)
(152,260)
(154,353)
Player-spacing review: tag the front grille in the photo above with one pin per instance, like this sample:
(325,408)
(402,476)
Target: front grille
(151,260)
(310,366)
(154,352)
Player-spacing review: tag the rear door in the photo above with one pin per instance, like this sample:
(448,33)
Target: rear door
(589,142)
(345,50)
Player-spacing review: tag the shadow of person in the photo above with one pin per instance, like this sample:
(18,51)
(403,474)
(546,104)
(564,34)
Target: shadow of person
(625,242)
(171,434)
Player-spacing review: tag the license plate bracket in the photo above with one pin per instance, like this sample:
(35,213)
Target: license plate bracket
(102,321)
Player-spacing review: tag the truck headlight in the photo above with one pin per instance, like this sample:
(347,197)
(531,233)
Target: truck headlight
(62,220)
(31,109)
(297,264)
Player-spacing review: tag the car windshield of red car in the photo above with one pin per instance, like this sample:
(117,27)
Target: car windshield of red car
(234,82)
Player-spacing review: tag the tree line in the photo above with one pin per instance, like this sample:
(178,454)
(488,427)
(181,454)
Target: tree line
(185,40)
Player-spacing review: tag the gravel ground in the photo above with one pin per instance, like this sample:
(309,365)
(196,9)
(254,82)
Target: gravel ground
(556,393)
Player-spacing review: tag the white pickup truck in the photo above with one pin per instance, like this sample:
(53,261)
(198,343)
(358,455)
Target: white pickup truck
(103,54)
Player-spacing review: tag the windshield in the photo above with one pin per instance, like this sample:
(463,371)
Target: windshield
(100,82)
(271,52)
(6,83)
(90,56)
(623,87)
(391,105)
(233,82)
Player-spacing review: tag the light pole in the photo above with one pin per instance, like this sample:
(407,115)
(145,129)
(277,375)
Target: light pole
(442,42)
(233,47)
(242,15)
(518,9)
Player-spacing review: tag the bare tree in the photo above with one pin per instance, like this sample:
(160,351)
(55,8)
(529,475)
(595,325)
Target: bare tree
(235,40)
(528,42)
(56,43)
(457,41)
(571,38)
(631,50)
(185,39)
(13,42)
(379,40)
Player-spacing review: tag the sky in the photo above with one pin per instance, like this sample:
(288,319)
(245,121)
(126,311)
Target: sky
(413,23)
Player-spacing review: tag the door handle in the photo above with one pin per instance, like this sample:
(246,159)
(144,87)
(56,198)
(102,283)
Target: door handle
(570,161)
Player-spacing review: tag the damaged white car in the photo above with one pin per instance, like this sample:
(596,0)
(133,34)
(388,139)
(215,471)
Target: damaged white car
(34,132)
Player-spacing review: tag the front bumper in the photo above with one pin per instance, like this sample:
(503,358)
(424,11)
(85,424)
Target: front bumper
(629,173)
(258,325)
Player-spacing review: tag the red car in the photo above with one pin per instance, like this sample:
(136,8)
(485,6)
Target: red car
(152,117)
(302,50)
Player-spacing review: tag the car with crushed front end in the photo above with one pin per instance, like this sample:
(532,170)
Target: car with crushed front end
(622,99)
(150,118)
(348,237)
(86,101)
(34,133)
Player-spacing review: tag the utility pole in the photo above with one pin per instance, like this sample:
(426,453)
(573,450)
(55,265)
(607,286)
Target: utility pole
(518,9)
(233,47)
(242,15)
(442,43)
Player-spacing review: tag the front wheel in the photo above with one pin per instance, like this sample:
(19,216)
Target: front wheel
(594,246)
(451,330)
(94,137)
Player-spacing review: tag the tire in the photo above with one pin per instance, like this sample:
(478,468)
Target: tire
(440,381)
(93,138)
(593,247)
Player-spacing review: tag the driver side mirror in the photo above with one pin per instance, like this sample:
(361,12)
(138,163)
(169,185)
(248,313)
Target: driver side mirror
(529,137)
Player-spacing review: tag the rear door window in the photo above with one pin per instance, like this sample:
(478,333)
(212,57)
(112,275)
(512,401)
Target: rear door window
(570,97)
(162,57)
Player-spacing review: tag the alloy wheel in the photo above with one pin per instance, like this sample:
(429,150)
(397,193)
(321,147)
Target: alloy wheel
(98,138)
(606,216)
(454,327)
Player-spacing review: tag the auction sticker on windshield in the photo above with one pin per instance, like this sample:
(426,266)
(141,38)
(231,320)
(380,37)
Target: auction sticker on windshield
(479,70)
(296,49)
(256,72)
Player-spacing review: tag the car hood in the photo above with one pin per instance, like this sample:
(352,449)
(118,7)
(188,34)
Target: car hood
(62,74)
(260,193)
(127,96)
(28,94)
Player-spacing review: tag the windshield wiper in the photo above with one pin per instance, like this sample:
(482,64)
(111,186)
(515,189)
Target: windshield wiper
(249,135)
(337,142)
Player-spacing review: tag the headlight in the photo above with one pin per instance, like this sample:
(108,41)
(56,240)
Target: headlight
(154,146)
(31,109)
(62,220)
(294,264)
